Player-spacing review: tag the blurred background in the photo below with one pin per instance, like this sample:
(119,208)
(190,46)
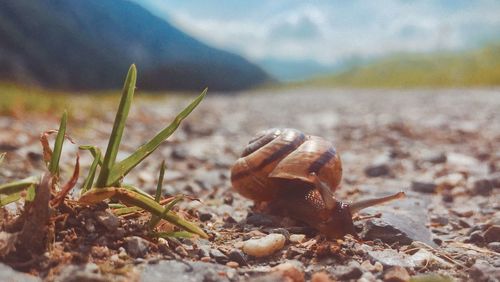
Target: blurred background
(74,46)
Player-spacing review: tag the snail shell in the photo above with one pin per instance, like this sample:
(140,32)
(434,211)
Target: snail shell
(297,174)
(279,158)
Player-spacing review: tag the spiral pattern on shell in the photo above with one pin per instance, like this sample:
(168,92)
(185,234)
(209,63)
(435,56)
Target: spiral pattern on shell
(278,159)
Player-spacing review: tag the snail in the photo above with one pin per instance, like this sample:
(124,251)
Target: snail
(298,174)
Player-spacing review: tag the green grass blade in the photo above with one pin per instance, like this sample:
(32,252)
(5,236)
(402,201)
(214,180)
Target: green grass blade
(159,185)
(176,234)
(18,186)
(89,181)
(126,165)
(94,150)
(10,199)
(134,198)
(56,154)
(156,219)
(126,210)
(31,193)
(118,128)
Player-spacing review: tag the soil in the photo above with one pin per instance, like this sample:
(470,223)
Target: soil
(441,147)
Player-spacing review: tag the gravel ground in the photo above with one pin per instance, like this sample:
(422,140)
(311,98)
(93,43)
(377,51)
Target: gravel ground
(442,147)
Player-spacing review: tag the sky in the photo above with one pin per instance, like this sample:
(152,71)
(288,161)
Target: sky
(329,31)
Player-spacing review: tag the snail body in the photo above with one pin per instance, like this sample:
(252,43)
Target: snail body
(298,174)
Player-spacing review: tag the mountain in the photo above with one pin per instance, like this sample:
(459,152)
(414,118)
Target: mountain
(472,68)
(86,45)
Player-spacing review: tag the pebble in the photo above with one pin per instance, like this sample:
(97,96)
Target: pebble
(297,238)
(396,274)
(259,219)
(390,257)
(86,272)
(423,187)
(483,271)
(9,274)
(431,277)
(476,237)
(174,270)
(450,180)
(290,271)
(136,246)
(218,256)
(494,246)
(264,246)
(181,251)
(377,170)
(238,256)
(495,179)
(232,264)
(492,234)
(321,277)
(205,216)
(110,221)
(423,258)
(482,187)
(395,226)
(350,271)
(376,267)
(435,157)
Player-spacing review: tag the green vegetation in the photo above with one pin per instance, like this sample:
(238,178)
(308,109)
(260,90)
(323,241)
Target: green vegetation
(476,68)
(111,173)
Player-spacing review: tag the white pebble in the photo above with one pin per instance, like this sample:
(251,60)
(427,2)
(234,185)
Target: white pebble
(297,238)
(264,246)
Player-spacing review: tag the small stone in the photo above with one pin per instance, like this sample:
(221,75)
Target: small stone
(110,221)
(297,238)
(377,170)
(136,246)
(350,271)
(494,246)
(181,251)
(86,272)
(424,258)
(431,277)
(205,216)
(482,187)
(389,257)
(495,179)
(396,274)
(321,277)
(423,187)
(440,220)
(367,277)
(476,237)
(205,259)
(435,157)
(483,271)
(290,272)
(264,246)
(376,267)
(238,256)
(450,180)
(492,234)
(9,274)
(259,219)
(232,264)
(463,211)
(218,256)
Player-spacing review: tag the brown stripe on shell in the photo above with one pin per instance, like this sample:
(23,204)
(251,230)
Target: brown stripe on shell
(260,141)
(280,153)
(323,159)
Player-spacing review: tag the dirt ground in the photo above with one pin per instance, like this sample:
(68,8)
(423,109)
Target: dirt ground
(441,147)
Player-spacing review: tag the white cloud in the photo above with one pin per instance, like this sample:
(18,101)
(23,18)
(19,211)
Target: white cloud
(327,31)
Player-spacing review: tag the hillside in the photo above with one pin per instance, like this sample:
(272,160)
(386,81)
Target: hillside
(458,69)
(90,44)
